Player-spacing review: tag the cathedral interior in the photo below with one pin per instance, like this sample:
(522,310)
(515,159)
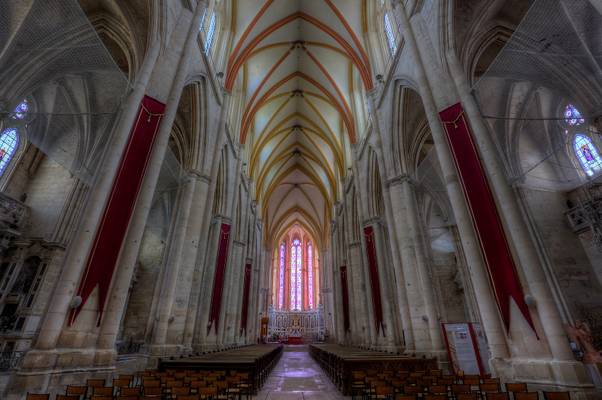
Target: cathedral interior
(301,199)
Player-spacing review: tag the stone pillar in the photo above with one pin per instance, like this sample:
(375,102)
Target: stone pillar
(131,245)
(518,233)
(400,281)
(422,263)
(483,291)
(359,303)
(75,261)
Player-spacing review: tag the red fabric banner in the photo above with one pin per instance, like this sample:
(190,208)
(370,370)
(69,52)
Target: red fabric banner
(345,295)
(485,217)
(374,282)
(103,257)
(218,278)
(245,299)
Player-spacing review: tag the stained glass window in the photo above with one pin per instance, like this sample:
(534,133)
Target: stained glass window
(21,110)
(390,35)
(310,276)
(587,154)
(210,33)
(9,140)
(572,116)
(281,276)
(296,275)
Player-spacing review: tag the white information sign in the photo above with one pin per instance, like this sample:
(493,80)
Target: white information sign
(461,348)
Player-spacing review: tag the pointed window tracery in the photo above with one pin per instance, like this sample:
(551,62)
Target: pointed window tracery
(296,275)
(281,276)
(588,155)
(390,35)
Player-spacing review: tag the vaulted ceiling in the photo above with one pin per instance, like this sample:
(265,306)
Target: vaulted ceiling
(303,72)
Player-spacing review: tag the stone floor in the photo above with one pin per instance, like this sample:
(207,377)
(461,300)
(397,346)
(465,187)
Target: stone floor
(298,377)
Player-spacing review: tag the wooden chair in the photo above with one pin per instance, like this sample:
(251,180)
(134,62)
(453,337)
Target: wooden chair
(516,387)
(435,372)
(102,391)
(95,382)
(489,387)
(525,396)
(126,398)
(405,397)
(438,389)
(207,392)
(557,395)
(121,382)
(151,383)
(410,389)
(496,396)
(180,391)
(130,391)
(152,391)
(38,396)
(74,390)
(97,397)
(65,397)
(460,388)
(384,392)
(435,397)
(491,380)
(466,396)
(189,397)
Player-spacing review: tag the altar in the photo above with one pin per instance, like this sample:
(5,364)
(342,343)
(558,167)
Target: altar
(296,327)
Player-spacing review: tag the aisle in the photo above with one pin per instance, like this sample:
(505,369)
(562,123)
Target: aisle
(297,376)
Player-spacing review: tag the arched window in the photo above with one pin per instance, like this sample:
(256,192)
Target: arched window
(208,29)
(281,266)
(296,275)
(310,276)
(9,141)
(587,154)
(390,35)
(572,116)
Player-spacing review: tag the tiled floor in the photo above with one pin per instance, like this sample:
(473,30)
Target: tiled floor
(296,377)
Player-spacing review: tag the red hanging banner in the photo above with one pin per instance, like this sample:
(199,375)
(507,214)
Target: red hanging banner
(218,279)
(484,213)
(345,295)
(113,226)
(374,282)
(245,299)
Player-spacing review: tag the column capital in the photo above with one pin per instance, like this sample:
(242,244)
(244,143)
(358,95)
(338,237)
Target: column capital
(399,179)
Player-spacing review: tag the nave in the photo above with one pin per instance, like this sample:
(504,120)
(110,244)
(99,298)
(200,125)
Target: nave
(410,190)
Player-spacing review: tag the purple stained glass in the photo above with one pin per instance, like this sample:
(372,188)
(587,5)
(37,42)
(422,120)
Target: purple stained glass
(572,116)
(281,276)
(310,276)
(21,110)
(296,275)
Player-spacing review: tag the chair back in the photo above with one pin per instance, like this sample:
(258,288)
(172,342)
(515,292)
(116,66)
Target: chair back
(525,396)
(74,390)
(102,391)
(489,387)
(497,396)
(466,396)
(516,387)
(557,395)
(38,396)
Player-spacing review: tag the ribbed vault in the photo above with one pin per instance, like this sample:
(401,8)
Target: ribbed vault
(302,71)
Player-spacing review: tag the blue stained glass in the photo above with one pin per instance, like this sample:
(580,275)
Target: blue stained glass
(9,140)
(572,116)
(210,34)
(21,110)
(390,35)
(296,275)
(587,154)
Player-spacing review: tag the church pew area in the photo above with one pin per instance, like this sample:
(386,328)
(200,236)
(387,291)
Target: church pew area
(365,374)
(340,362)
(256,361)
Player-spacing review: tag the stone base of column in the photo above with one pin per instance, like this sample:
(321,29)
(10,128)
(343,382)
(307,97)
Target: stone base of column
(544,374)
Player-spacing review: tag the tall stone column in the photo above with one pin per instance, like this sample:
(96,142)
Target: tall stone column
(171,266)
(413,286)
(422,263)
(131,245)
(488,308)
(517,230)
(190,253)
(393,215)
(388,300)
(361,315)
(75,261)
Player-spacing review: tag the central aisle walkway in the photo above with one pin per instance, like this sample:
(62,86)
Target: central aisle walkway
(296,377)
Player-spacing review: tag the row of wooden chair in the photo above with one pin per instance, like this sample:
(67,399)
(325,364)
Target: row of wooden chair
(168,385)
